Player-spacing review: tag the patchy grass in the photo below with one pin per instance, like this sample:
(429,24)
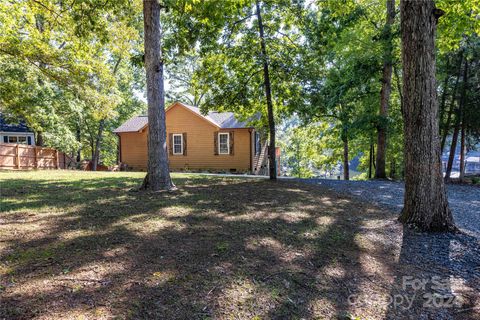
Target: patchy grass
(81,245)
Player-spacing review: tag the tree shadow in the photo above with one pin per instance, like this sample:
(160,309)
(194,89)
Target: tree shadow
(216,248)
(439,277)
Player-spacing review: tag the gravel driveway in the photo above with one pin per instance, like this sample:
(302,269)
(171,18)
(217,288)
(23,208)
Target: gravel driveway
(464,200)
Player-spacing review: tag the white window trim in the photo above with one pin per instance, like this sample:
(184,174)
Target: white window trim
(228,142)
(181,144)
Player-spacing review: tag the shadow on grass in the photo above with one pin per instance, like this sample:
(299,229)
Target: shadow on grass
(216,248)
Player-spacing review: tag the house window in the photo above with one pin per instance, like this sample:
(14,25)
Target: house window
(17,139)
(224,143)
(177,144)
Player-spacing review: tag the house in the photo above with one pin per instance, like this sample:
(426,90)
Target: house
(15,133)
(216,142)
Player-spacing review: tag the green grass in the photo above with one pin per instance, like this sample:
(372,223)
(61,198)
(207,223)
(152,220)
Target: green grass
(88,245)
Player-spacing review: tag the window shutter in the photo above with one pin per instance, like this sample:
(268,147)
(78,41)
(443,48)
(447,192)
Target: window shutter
(29,141)
(231,143)
(170,144)
(5,139)
(184,138)
(215,143)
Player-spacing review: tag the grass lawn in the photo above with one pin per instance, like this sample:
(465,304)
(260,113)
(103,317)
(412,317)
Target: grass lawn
(81,245)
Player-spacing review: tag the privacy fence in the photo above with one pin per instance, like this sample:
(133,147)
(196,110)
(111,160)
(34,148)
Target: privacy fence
(21,156)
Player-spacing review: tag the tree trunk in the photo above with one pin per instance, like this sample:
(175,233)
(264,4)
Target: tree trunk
(425,204)
(346,167)
(463,129)
(98,141)
(393,171)
(268,94)
(453,148)
(446,125)
(370,160)
(443,100)
(462,152)
(79,150)
(39,141)
(158,175)
(385,93)
(458,122)
(101,127)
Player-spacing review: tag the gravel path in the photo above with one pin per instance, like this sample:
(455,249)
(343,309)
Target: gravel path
(464,200)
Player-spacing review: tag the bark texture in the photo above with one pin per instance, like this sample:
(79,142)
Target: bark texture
(385,93)
(268,95)
(158,175)
(425,204)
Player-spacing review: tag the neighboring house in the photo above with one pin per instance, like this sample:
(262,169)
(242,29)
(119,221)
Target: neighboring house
(472,162)
(215,142)
(15,133)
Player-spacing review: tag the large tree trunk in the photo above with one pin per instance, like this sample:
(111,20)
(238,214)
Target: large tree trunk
(158,175)
(425,204)
(268,94)
(385,93)
(98,141)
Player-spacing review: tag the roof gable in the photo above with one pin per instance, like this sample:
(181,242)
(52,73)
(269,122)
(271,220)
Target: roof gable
(195,111)
(220,120)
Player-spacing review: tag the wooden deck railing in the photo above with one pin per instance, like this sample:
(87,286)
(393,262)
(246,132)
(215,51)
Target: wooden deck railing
(20,156)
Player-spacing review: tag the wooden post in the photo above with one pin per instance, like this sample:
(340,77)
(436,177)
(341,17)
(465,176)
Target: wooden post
(17,156)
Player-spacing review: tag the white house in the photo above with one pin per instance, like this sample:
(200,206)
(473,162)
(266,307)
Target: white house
(15,133)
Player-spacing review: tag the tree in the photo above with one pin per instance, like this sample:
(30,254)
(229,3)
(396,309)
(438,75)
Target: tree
(380,172)
(459,125)
(425,203)
(158,175)
(58,64)
(268,95)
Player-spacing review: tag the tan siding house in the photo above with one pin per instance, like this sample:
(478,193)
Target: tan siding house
(214,142)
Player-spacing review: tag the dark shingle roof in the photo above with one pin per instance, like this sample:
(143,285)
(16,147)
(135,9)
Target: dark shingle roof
(223,120)
(12,127)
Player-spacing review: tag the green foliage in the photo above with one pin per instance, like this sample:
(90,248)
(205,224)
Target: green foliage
(66,66)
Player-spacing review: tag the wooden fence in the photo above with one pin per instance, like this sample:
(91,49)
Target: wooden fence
(21,156)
